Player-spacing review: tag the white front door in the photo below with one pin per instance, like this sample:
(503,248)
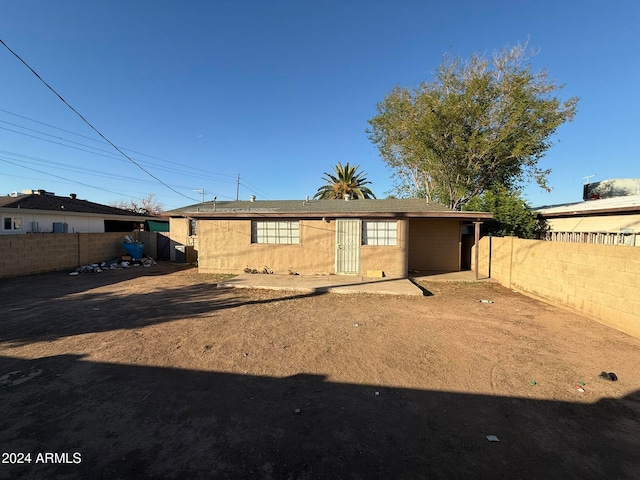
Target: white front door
(347,246)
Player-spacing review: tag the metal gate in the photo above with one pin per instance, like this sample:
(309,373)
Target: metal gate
(347,246)
(163,245)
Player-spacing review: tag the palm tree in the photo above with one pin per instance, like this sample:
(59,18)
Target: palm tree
(345,181)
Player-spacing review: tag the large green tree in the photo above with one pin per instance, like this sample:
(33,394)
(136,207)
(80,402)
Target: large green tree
(512,215)
(477,124)
(345,180)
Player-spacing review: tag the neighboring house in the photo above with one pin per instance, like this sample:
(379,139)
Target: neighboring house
(326,236)
(41,212)
(608,220)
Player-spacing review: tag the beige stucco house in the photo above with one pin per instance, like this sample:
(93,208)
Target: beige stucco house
(394,236)
(614,220)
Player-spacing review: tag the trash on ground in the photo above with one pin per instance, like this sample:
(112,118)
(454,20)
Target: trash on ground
(533,382)
(264,271)
(608,376)
(297,410)
(580,389)
(493,438)
(113,265)
(581,384)
(486,301)
(356,324)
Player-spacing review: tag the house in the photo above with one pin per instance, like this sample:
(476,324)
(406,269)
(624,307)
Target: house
(610,213)
(38,211)
(393,236)
(608,220)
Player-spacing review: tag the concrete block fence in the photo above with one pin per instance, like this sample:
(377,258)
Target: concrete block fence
(599,281)
(46,252)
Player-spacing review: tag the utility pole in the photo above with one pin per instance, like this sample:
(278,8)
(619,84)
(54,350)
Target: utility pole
(587,178)
(238,189)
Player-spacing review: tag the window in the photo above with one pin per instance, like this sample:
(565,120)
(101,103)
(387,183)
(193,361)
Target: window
(380,233)
(193,227)
(275,232)
(12,223)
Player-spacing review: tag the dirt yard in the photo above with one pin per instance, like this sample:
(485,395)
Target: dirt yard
(156,373)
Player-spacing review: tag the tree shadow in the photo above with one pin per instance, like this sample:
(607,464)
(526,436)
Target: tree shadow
(49,285)
(132,422)
(50,306)
(93,312)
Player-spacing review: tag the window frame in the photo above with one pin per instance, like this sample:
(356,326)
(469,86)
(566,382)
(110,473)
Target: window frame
(12,221)
(275,232)
(193,227)
(386,237)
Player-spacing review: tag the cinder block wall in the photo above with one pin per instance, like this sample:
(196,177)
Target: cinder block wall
(600,281)
(47,252)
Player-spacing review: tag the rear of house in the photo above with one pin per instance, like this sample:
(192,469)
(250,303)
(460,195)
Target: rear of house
(355,237)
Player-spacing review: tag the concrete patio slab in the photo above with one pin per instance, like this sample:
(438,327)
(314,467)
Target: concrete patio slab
(324,283)
(437,276)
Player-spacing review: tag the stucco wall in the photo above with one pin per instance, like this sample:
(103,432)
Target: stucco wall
(601,281)
(392,260)
(225,247)
(605,223)
(434,244)
(179,228)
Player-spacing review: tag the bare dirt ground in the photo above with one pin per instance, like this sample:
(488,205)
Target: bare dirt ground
(155,373)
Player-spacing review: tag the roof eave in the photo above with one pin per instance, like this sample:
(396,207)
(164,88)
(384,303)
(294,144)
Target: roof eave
(479,216)
(592,213)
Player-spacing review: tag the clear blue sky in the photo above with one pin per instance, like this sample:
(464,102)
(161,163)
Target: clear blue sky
(198,92)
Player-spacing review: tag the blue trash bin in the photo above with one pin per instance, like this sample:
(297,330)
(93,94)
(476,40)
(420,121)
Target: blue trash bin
(136,250)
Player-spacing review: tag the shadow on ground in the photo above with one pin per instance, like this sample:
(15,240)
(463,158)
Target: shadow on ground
(51,306)
(133,422)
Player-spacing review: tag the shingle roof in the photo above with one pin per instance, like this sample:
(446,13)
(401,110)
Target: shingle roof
(322,208)
(66,204)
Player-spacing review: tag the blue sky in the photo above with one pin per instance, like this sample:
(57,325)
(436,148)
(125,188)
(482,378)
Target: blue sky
(278,92)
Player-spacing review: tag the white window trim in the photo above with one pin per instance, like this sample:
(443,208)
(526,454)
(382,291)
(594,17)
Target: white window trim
(275,232)
(13,219)
(376,233)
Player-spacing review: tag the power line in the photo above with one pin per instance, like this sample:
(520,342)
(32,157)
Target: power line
(89,124)
(107,154)
(58,176)
(255,189)
(84,171)
(95,140)
(244,183)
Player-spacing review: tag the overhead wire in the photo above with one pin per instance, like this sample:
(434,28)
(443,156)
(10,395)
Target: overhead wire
(100,141)
(60,177)
(90,125)
(107,154)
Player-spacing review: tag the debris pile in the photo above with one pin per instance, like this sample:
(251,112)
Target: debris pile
(133,259)
(113,265)
(265,271)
